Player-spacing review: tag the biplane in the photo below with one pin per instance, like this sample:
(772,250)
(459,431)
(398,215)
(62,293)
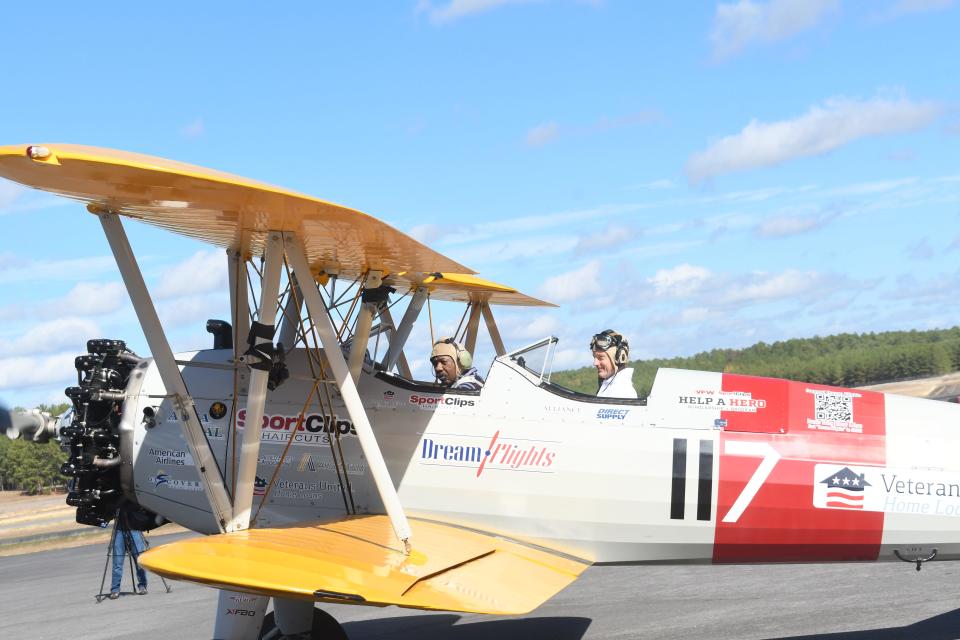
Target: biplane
(323,472)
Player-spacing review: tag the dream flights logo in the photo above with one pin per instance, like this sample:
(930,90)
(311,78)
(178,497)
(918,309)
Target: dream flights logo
(513,456)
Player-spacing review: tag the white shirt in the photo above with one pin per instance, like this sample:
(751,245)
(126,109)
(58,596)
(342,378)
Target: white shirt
(619,385)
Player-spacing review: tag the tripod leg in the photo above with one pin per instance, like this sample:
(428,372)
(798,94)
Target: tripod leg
(100,596)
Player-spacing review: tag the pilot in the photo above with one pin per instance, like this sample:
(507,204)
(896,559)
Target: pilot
(610,354)
(453,366)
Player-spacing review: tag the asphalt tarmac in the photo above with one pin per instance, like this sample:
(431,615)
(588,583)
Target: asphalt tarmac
(52,595)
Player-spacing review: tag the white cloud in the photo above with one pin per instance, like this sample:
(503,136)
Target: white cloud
(9,193)
(737,25)
(613,236)
(19,270)
(521,327)
(695,315)
(472,235)
(193,310)
(679,282)
(838,121)
(456,9)
(920,251)
(48,337)
(764,287)
(573,285)
(866,188)
(430,233)
(203,272)
(23,372)
(521,248)
(906,7)
(92,298)
(547,132)
(542,134)
(790,225)
(657,185)
(571,358)
(194,129)
(605,123)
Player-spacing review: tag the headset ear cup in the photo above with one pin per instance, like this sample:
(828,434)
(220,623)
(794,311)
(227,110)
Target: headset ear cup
(466,360)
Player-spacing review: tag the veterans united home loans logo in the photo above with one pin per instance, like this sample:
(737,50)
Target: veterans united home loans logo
(259,486)
(842,489)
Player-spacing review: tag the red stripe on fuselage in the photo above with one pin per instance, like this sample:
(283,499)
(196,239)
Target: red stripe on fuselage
(780,523)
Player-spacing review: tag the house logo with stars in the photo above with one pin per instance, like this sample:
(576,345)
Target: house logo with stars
(840,488)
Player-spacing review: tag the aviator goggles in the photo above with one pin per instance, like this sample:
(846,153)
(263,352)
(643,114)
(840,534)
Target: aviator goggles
(603,341)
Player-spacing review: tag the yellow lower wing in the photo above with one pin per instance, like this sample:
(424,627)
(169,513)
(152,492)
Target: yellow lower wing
(357,560)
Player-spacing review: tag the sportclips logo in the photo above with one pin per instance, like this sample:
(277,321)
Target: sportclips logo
(313,423)
(432,402)
(499,454)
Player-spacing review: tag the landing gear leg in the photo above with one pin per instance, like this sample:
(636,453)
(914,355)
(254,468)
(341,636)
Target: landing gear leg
(324,627)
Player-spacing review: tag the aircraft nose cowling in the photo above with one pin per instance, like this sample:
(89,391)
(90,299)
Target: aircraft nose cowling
(91,433)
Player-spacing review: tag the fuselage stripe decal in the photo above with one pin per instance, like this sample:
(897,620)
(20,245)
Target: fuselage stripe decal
(678,492)
(705,489)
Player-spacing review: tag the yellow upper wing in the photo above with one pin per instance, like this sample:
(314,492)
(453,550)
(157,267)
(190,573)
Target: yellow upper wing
(220,208)
(462,287)
(357,560)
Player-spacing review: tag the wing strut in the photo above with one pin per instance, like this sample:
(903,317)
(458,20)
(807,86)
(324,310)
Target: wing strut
(399,337)
(348,389)
(290,322)
(239,302)
(492,329)
(257,394)
(473,323)
(364,321)
(213,486)
(401,361)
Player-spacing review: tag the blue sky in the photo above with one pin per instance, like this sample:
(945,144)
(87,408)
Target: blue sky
(696,175)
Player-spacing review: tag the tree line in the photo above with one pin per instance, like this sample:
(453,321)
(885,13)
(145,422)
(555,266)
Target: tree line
(845,360)
(31,468)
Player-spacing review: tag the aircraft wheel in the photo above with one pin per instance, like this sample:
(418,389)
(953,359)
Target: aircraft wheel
(325,627)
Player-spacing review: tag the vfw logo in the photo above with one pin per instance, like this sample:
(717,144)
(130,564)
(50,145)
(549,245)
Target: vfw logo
(837,487)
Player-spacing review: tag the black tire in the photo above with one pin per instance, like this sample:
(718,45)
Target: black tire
(325,627)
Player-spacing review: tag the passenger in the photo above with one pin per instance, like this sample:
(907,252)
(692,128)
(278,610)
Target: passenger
(610,354)
(453,366)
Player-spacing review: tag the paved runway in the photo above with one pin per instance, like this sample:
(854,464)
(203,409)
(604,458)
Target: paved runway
(50,595)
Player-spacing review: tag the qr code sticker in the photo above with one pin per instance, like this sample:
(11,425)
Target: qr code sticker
(834,407)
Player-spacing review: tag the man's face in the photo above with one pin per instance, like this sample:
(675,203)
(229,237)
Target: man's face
(603,364)
(445,369)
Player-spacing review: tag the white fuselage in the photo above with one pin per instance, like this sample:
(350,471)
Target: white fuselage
(700,473)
